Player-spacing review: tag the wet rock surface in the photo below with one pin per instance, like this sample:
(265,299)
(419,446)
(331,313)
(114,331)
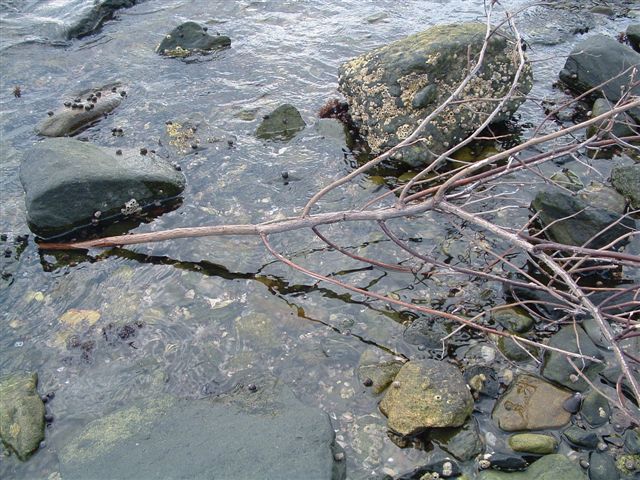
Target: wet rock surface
(626,180)
(281,124)
(81,110)
(463,443)
(531,404)
(533,443)
(549,467)
(102,11)
(21,414)
(190,38)
(426,394)
(390,89)
(602,466)
(633,36)
(67,181)
(622,123)
(249,434)
(513,319)
(376,371)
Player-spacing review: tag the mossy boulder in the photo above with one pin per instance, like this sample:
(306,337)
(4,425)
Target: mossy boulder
(392,88)
(21,414)
(281,124)
(190,38)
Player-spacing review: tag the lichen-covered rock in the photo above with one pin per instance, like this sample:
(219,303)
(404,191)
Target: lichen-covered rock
(281,124)
(190,38)
(391,89)
(426,394)
(81,110)
(531,404)
(67,181)
(21,414)
(626,180)
(537,443)
(549,467)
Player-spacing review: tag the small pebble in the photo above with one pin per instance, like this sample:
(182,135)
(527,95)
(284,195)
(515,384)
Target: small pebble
(484,464)
(50,113)
(118,152)
(367,382)
(252,387)
(48,418)
(114,89)
(584,463)
(601,447)
(123,93)
(42,444)
(143,151)
(285,174)
(338,456)
(51,395)
(395,384)
(572,404)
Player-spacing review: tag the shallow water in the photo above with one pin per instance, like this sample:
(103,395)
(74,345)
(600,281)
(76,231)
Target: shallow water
(205,312)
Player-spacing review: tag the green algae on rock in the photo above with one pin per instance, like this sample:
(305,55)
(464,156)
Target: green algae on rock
(537,443)
(281,124)
(392,88)
(190,38)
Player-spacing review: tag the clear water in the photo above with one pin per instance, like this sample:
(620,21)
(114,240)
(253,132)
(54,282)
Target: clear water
(214,310)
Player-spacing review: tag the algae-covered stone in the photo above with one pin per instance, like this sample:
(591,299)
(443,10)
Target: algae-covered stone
(21,413)
(381,370)
(281,124)
(392,88)
(626,180)
(595,409)
(581,438)
(67,181)
(567,179)
(549,467)
(190,38)
(514,319)
(533,443)
(602,466)
(426,394)
(530,403)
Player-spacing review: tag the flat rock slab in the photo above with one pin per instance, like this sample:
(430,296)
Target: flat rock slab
(67,181)
(81,110)
(266,434)
(190,38)
(531,404)
(549,467)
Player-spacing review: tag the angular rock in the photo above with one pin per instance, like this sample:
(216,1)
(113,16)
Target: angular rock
(21,414)
(190,38)
(101,12)
(513,319)
(622,123)
(426,394)
(533,443)
(259,434)
(597,60)
(632,441)
(67,181)
(281,124)
(602,466)
(463,443)
(626,180)
(391,89)
(516,351)
(381,371)
(549,467)
(531,403)
(74,116)
(440,469)
(601,196)
(555,366)
(595,409)
(633,36)
(581,438)
(585,225)
(567,179)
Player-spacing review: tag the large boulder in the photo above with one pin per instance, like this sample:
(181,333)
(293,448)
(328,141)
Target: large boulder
(190,38)
(426,394)
(597,60)
(21,414)
(81,110)
(391,89)
(67,182)
(101,12)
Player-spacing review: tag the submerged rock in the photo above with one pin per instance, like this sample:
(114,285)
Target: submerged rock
(602,466)
(190,38)
(537,443)
(391,89)
(585,225)
(67,181)
(281,124)
(633,36)
(75,116)
(101,12)
(626,180)
(597,60)
(622,123)
(251,434)
(595,409)
(21,414)
(513,319)
(463,443)
(378,372)
(426,394)
(531,404)
(549,467)
(581,438)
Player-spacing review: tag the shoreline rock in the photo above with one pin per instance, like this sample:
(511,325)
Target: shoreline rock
(190,38)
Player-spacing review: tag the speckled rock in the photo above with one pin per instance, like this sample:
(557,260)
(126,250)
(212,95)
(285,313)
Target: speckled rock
(391,89)
(537,443)
(281,124)
(549,467)
(190,38)
(426,394)
(21,414)
(72,117)
(602,466)
(626,180)
(531,403)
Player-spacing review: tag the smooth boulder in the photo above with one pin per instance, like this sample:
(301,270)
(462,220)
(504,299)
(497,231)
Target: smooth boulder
(392,88)
(426,394)
(190,38)
(67,182)
(281,124)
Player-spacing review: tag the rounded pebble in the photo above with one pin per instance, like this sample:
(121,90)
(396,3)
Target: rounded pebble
(367,382)
(252,387)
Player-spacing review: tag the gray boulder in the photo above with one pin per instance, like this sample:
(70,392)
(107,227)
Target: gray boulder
(549,467)
(281,124)
(67,181)
(426,394)
(571,221)
(21,414)
(190,38)
(633,36)
(266,433)
(622,123)
(597,60)
(391,89)
(626,180)
(80,111)
(101,12)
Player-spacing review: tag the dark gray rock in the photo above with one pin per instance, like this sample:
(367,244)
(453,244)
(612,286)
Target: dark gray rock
(622,123)
(463,443)
(101,12)
(516,351)
(601,196)
(602,466)
(391,89)
(633,36)
(281,124)
(585,225)
(626,180)
(549,467)
(190,38)
(440,469)
(632,441)
(513,319)
(67,181)
(426,394)
(595,409)
(555,366)
(380,369)
(266,433)
(69,120)
(597,60)
(21,414)
(581,438)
